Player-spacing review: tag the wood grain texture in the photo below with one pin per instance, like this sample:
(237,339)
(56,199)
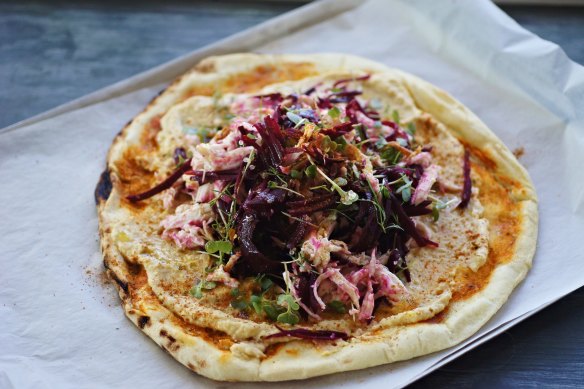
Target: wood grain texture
(52,53)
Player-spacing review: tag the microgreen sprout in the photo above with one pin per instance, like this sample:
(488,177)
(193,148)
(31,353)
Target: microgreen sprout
(197,290)
(439,205)
(406,188)
(334,112)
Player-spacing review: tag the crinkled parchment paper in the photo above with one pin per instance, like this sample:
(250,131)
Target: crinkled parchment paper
(62,326)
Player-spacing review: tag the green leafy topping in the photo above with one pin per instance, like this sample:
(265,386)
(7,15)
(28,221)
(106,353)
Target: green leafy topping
(271,311)
(295,174)
(341,181)
(310,171)
(341,143)
(327,144)
(337,306)
(296,119)
(412,128)
(197,290)
(222,246)
(235,292)
(360,131)
(264,282)
(347,197)
(435,213)
(291,316)
(438,206)
(385,192)
(406,188)
(334,112)
(251,136)
(379,209)
(287,301)
(256,303)
(395,117)
(240,304)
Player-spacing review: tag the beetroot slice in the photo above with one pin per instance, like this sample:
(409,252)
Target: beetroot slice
(167,183)
(303,333)
(253,261)
(407,224)
(467,186)
(346,80)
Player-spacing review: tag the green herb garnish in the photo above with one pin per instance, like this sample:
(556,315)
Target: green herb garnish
(197,290)
(221,246)
(334,112)
(337,306)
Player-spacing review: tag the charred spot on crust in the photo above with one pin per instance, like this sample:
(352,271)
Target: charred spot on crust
(143,321)
(166,335)
(104,187)
(191,366)
(121,284)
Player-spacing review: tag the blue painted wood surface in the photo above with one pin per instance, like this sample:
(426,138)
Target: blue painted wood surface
(51,53)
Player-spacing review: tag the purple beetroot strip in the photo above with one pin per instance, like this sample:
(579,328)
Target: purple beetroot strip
(167,183)
(338,130)
(253,261)
(346,80)
(303,333)
(467,186)
(311,205)
(407,224)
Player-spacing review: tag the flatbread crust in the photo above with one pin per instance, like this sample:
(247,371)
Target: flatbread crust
(505,188)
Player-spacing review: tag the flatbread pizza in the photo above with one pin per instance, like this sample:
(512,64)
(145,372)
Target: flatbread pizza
(279,217)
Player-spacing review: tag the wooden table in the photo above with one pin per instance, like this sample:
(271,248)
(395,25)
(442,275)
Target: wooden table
(52,53)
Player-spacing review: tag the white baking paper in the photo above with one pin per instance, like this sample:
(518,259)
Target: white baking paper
(62,326)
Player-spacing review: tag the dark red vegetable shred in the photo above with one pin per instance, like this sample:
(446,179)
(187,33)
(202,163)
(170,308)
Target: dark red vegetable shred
(252,261)
(303,333)
(311,205)
(338,130)
(203,177)
(167,183)
(407,224)
(347,80)
(467,186)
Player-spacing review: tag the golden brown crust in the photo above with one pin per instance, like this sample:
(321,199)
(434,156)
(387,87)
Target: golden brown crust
(506,193)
